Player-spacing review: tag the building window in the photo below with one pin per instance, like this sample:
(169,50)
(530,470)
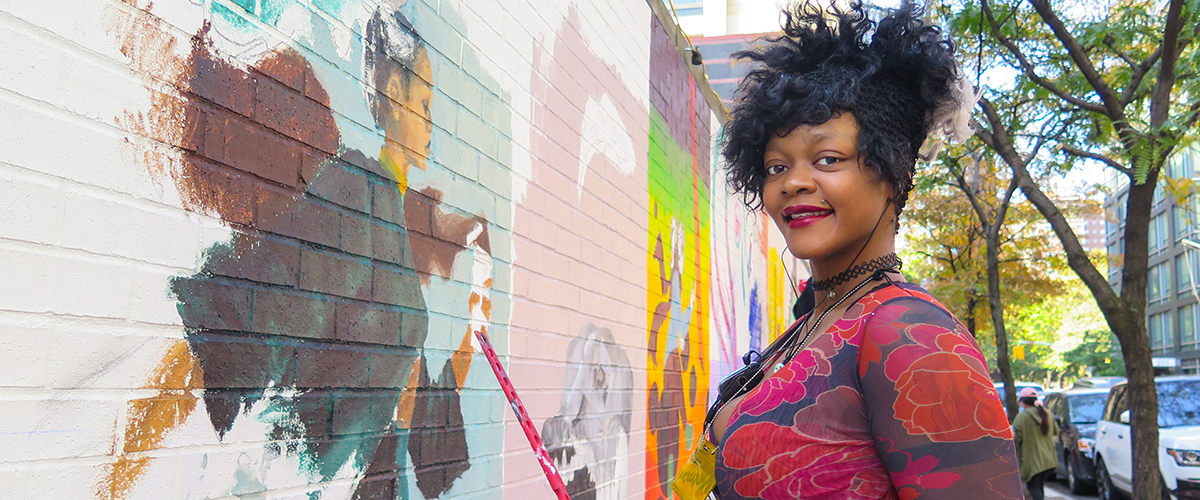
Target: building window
(1160,328)
(1187,324)
(1116,258)
(1183,222)
(1158,233)
(1122,204)
(1182,276)
(1158,283)
(1190,366)
(1181,166)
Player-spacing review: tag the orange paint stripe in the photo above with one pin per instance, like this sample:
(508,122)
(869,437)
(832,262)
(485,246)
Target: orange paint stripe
(150,419)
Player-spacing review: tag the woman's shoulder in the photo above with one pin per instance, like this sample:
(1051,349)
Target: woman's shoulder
(908,300)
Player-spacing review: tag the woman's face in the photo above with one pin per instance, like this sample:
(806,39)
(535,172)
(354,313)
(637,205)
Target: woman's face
(821,196)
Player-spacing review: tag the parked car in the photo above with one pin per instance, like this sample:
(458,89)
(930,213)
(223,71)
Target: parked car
(1097,382)
(1178,439)
(1077,411)
(1019,385)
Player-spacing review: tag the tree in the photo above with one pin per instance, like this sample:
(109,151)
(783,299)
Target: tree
(964,237)
(1094,357)
(1119,78)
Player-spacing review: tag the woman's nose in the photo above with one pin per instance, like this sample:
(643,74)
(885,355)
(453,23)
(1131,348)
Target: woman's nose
(799,179)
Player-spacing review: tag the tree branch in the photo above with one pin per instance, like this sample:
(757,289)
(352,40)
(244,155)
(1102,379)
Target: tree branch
(1077,257)
(1108,41)
(1028,69)
(1074,151)
(1116,112)
(1160,99)
(1194,113)
(1139,73)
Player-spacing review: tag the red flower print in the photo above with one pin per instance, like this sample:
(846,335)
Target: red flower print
(916,477)
(811,466)
(785,385)
(926,385)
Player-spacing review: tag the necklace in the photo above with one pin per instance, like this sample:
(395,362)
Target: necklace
(889,261)
(795,349)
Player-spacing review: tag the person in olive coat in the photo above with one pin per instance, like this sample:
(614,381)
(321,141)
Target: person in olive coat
(1034,430)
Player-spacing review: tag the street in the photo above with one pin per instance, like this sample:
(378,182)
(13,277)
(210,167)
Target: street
(1058,489)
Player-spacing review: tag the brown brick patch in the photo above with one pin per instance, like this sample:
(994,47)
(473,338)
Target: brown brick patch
(210,305)
(357,322)
(329,273)
(292,314)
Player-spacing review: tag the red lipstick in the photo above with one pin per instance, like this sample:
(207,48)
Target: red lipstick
(798,216)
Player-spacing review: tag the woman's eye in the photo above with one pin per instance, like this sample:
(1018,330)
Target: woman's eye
(775,169)
(828,160)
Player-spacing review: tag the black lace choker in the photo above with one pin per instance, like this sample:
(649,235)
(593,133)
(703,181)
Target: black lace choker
(889,261)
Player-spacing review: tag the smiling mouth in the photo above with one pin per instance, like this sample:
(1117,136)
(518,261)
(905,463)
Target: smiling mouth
(806,214)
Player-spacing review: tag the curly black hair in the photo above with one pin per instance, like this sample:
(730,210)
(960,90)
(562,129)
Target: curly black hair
(891,76)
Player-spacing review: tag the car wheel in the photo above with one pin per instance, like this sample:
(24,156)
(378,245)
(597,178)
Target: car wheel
(1104,486)
(1076,484)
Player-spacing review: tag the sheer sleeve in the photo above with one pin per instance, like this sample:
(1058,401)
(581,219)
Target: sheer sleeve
(935,418)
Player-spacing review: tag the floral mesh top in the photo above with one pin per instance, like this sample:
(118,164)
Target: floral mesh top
(896,403)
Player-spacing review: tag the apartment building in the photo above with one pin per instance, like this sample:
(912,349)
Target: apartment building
(1173,312)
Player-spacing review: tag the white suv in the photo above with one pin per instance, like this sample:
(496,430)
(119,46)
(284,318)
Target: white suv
(1178,439)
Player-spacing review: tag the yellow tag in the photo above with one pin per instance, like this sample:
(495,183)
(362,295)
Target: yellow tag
(697,478)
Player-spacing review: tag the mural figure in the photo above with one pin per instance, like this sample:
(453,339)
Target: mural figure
(311,322)
(678,266)
(589,438)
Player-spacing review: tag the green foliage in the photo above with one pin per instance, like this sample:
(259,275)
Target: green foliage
(946,247)
(1118,38)
(1099,355)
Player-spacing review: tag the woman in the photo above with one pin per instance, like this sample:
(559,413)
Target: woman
(1034,430)
(877,391)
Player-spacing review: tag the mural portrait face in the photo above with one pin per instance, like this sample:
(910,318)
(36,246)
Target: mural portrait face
(400,70)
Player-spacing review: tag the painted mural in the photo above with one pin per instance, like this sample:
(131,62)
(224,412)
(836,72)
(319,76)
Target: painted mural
(578,219)
(678,267)
(255,239)
(589,438)
(313,329)
(738,285)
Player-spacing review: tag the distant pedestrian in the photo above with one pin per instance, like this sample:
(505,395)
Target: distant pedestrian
(1034,430)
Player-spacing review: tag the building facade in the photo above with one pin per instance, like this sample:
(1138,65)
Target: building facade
(1173,311)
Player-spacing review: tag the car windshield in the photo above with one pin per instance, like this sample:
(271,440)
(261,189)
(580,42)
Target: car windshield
(1087,409)
(1179,403)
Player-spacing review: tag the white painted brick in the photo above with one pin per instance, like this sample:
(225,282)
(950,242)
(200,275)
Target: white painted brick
(115,225)
(67,479)
(56,428)
(15,485)
(46,68)
(76,285)
(46,140)
(151,299)
(24,356)
(32,209)
(93,359)
(73,20)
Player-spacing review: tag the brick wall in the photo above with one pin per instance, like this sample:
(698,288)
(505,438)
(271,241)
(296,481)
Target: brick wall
(248,245)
